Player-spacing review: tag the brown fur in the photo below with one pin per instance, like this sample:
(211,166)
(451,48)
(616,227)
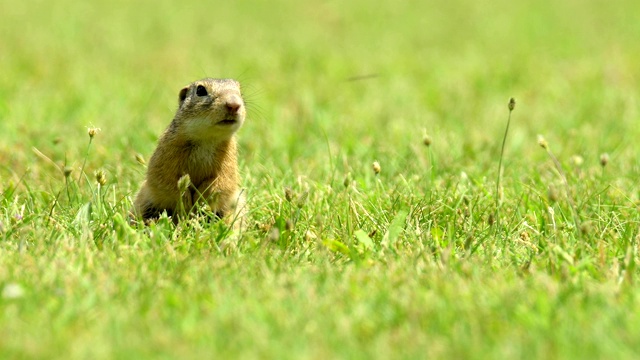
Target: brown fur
(197,144)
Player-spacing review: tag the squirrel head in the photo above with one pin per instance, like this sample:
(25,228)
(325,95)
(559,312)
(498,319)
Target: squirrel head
(210,109)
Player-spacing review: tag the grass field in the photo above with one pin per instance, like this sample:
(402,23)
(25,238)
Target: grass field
(421,260)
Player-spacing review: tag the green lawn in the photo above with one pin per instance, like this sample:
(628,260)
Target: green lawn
(421,260)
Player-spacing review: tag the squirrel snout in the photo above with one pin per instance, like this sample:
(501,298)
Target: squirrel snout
(233,104)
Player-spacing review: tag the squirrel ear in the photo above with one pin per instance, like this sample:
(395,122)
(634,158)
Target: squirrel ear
(182,95)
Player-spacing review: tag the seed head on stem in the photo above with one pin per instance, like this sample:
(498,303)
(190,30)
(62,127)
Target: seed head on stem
(542,142)
(92,131)
(426,139)
(101,177)
(140,159)
(67,171)
(184,182)
(604,159)
(376,167)
(288,194)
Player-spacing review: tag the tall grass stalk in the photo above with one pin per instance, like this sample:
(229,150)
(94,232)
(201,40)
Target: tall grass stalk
(511,105)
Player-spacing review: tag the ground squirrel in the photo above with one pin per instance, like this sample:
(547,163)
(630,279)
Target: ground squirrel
(199,150)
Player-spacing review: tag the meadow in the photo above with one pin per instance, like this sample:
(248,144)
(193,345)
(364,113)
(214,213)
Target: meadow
(380,225)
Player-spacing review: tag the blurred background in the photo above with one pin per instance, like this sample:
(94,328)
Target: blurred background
(329,84)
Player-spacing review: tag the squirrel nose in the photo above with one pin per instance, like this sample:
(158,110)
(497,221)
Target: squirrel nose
(233,105)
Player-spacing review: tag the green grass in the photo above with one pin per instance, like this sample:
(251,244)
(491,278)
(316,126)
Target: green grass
(336,261)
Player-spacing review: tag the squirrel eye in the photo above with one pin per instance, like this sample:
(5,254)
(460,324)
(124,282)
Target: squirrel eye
(201,91)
